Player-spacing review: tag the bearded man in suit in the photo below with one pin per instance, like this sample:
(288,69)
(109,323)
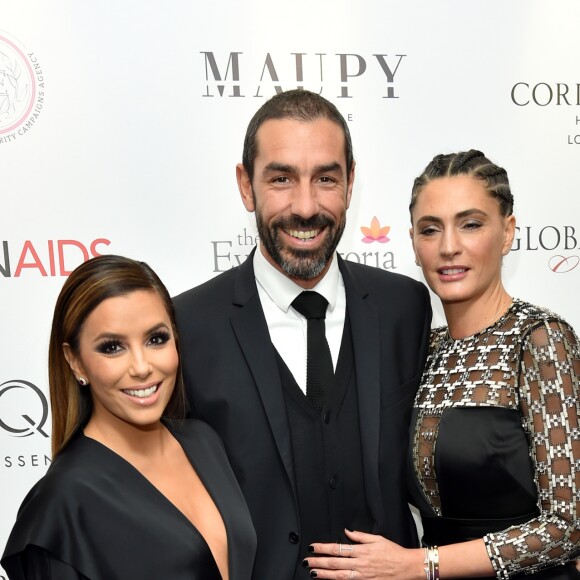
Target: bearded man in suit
(309,466)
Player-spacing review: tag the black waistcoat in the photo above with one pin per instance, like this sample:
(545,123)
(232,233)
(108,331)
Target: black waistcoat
(326,448)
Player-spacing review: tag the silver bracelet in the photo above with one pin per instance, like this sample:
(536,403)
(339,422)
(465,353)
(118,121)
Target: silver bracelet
(431,563)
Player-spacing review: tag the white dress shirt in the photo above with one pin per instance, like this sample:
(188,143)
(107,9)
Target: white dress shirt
(288,328)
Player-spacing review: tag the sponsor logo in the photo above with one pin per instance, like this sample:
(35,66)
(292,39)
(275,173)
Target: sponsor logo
(563,264)
(375,233)
(550,238)
(21,89)
(29,460)
(228,254)
(383,260)
(23,409)
(549,95)
(544,94)
(339,75)
(51,258)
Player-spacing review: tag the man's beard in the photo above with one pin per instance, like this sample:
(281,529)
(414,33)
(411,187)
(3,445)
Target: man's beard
(301,264)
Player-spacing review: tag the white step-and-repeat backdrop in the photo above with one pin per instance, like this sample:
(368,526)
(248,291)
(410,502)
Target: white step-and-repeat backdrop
(121,123)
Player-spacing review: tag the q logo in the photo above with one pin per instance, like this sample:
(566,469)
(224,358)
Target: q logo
(562,264)
(23,408)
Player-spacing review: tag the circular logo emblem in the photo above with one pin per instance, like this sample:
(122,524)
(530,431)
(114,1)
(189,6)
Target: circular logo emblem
(23,408)
(17,85)
(562,264)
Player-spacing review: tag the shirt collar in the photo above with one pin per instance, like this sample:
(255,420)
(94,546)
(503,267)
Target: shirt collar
(282,290)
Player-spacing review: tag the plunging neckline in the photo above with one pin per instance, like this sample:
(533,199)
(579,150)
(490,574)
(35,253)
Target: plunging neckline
(167,501)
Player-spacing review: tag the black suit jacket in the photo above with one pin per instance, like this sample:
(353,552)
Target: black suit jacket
(233,383)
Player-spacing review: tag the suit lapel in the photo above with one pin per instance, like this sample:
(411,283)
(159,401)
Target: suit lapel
(364,320)
(251,330)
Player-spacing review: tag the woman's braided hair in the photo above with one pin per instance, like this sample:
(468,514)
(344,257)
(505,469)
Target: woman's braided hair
(474,164)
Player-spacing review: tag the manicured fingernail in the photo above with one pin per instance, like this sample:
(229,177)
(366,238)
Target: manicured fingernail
(311,548)
(313,574)
(305,563)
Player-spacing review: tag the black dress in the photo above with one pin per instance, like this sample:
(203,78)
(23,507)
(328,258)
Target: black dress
(495,448)
(93,515)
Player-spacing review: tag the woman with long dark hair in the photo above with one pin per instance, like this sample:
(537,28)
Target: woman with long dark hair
(134,490)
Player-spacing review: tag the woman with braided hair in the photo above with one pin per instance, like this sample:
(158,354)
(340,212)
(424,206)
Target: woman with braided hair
(494,463)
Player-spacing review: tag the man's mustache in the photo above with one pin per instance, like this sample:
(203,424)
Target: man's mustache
(297,223)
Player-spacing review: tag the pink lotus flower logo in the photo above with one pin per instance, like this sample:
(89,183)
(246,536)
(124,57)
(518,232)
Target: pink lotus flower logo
(375,233)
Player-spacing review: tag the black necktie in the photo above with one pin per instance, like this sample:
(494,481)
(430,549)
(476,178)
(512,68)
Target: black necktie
(319,368)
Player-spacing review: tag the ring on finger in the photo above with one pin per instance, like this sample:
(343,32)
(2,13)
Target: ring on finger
(351,575)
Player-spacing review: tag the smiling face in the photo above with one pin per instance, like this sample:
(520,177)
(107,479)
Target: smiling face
(127,353)
(300,193)
(459,237)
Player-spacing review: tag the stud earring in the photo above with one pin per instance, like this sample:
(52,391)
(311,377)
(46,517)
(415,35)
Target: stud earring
(82,382)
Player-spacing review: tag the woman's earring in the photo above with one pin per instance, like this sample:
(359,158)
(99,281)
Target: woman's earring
(82,382)
(417,262)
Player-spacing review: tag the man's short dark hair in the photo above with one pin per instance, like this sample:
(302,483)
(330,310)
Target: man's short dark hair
(300,105)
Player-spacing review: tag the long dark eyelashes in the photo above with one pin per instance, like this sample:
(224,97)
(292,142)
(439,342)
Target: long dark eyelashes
(109,347)
(160,337)
(113,346)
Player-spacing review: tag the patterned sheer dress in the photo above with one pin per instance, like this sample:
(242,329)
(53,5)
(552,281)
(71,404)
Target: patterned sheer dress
(495,448)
